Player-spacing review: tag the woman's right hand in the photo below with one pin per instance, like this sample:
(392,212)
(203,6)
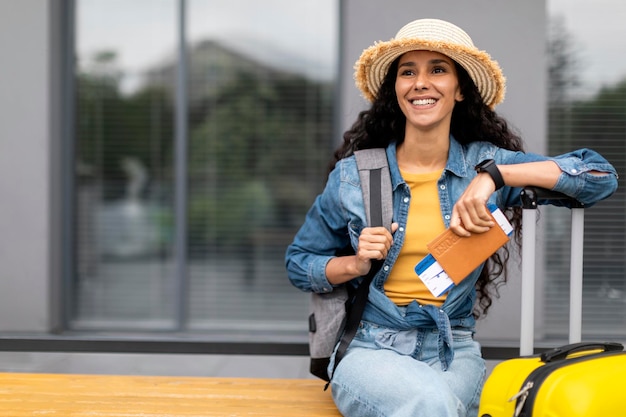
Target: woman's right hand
(374,243)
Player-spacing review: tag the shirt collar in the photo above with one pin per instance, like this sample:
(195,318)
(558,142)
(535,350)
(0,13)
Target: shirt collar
(456,164)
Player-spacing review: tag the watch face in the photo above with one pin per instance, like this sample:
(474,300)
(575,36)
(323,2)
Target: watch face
(484,164)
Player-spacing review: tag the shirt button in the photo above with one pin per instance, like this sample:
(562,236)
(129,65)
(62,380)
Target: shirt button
(573,170)
(442,186)
(386,267)
(406,199)
(447,217)
(401,229)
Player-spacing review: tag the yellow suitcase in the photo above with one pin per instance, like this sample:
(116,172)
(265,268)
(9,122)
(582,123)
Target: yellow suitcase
(582,379)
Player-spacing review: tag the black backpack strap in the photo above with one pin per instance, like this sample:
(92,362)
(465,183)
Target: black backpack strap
(376,188)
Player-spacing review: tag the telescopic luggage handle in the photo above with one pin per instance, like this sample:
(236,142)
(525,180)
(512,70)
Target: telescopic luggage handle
(530,197)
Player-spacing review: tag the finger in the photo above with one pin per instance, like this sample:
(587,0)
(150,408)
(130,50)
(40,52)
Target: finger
(375,232)
(369,250)
(460,231)
(469,222)
(483,213)
(477,218)
(374,242)
(456,224)
(374,246)
(377,235)
(368,254)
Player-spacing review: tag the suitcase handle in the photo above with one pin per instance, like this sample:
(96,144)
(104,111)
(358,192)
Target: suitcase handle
(563,352)
(531,195)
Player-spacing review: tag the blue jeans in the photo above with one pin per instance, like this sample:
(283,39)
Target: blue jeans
(394,373)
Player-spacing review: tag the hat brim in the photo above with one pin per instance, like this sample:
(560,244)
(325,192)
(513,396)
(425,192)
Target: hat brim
(371,68)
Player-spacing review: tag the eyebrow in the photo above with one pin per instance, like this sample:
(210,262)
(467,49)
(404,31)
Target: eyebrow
(435,61)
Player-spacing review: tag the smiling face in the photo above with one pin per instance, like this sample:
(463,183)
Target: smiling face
(427,88)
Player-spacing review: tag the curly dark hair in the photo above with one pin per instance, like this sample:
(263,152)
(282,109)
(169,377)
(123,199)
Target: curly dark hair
(472,120)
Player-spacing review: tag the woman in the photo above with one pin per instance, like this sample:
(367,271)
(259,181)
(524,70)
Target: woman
(433,94)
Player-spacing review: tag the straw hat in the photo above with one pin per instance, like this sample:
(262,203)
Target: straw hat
(431,35)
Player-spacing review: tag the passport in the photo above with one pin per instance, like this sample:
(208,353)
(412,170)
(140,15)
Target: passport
(452,257)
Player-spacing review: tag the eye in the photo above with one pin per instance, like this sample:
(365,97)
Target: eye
(439,70)
(407,72)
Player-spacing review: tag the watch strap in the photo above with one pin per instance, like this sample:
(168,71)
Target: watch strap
(489,166)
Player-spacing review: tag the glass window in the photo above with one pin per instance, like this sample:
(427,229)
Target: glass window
(261,114)
(259,122)
(123,180)
(587,108)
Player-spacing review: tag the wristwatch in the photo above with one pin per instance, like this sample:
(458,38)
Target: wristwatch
(489,166)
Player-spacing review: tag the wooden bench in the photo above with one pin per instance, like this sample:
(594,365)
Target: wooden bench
(27,394)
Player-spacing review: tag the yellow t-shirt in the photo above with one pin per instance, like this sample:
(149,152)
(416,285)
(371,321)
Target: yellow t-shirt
(423,225)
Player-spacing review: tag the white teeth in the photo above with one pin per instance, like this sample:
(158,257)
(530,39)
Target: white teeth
(423,102)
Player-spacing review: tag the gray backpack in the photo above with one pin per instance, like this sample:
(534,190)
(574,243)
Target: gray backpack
(335,316)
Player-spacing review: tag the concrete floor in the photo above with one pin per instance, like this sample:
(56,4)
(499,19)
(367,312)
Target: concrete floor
(156,364)
(252,366)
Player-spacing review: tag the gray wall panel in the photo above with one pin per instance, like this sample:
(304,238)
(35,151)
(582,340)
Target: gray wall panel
(514,34)
(24,165)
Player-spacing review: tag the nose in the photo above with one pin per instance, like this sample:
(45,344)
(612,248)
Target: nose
(421,82)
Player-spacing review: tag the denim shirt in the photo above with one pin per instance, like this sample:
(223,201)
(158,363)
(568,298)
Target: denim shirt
(338,216)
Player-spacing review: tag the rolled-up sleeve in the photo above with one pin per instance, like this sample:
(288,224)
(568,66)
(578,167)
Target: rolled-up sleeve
(578,181)
(307,272)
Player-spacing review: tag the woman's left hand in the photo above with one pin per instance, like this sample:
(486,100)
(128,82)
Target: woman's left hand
(470,213)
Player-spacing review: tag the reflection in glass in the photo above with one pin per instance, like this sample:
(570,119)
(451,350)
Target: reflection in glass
(123,158)
(260,138)
(260,109)
(587,108)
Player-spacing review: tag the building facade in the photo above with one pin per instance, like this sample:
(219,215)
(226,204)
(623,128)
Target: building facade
(157,157)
